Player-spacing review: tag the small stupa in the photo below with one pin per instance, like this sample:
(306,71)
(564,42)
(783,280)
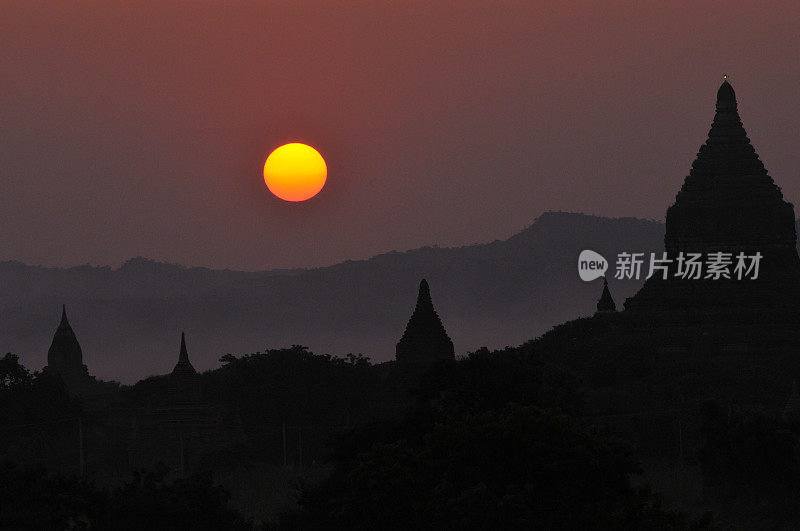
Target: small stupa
(180,428)
(606,303)
(65,358)
(184,382)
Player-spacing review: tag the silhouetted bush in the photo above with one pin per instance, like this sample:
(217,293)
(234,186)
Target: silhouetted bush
(27,398)
(36,499)
(291,385)
(520,468)
(750,447)
(151,502)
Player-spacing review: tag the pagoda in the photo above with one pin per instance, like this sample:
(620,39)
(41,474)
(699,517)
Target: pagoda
(728,204)
(184,382)
(606,303)
(179,428)
(424,349)
(425,339)
(65,358)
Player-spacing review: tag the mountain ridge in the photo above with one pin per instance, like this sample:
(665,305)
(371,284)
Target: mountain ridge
(128,320)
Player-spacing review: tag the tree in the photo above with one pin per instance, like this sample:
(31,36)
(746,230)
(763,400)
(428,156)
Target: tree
(519,468)
(36,499)
(150,502)
(750,447)
(12,372)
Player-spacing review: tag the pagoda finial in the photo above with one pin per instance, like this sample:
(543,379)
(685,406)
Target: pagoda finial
(726,97)
(606,303)
(183,357)
(65,351)
(424,339)
(424,291)
(184,383)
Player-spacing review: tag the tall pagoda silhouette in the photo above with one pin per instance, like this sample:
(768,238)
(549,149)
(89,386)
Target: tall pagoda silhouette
(178,428)
(184,382)
(65,358)
(425,339)
(423,349)
(728,204)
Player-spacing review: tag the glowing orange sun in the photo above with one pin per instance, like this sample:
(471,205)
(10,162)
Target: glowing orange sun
(295,172)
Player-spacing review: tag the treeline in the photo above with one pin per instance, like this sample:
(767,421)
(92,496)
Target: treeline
(277,386)
(515,438)
(37,499)
(30,397)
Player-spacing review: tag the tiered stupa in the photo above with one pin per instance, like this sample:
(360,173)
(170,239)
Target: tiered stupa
(184,382)
(606,303)
(180,428)
(728,203)
(423,349)
(65,358)
(425,339)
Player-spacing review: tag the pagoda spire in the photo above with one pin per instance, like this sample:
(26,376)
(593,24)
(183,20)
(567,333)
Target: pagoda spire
(183,366)
(425,338)
(726,97)
(606,303)
(424,295)
(184,382)
(65,352)
(183,357)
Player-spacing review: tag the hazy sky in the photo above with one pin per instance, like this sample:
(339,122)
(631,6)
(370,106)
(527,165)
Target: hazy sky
(141,128)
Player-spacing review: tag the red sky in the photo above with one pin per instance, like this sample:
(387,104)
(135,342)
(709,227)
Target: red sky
(141,128)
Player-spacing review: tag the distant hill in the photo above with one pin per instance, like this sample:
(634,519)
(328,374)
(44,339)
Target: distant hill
(128,320)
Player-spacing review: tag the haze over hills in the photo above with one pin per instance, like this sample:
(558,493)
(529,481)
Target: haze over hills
(129,320)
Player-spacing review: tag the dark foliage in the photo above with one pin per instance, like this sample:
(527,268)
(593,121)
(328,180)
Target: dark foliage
(36,499)
(144,392)
(519,468)
(33,499)
(27,397)
(150,502)
(292,385)
(749,447)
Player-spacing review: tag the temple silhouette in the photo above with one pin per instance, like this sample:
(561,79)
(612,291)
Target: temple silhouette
(606,303)
(65,362)
(184,382)
(423,347)
(728,204)
(65,358)
(179,428)
(649,367)
(729,208)
(425,339)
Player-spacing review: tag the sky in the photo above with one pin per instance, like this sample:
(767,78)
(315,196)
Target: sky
(141,128)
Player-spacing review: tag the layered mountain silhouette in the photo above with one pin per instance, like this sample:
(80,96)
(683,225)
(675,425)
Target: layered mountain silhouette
(496,294)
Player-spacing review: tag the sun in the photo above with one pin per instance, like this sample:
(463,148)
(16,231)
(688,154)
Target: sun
(295,172)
